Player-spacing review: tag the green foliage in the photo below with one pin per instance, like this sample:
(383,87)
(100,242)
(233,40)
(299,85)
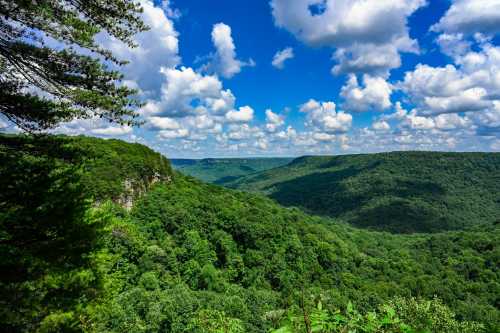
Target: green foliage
(46,232)
(110,169)
(110,164)
(403,315)
(192,257)
(224,170)
(209,249)
(70,85)
(400,192)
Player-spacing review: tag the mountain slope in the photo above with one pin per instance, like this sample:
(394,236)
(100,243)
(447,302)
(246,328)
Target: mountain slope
(398,192)
(222,170)
(193,257)
(203,252)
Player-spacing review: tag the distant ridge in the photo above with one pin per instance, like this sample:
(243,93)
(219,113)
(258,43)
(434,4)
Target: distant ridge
(222,170)
(397,191)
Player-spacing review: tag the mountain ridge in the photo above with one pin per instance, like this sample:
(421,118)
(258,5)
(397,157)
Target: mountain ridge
(413,186)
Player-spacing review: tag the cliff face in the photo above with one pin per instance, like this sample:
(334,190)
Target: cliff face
(121,171)
(133,189)
(108,169)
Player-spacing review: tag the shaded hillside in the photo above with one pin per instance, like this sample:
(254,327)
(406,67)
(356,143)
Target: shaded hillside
(398,192)
(223,170)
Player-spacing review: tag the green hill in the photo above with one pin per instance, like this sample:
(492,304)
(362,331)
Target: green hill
(193,257)
(223,170)
(398,192)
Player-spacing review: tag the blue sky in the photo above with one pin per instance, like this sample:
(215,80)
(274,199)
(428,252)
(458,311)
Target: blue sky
(348,76)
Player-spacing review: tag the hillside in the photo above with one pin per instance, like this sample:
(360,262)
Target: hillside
(398,192)
(193,257)
(223,170)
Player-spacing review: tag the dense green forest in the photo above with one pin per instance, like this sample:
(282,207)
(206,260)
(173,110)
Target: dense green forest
(193,257)
(223,170)
(400,192)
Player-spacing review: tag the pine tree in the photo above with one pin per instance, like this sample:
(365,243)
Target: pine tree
(42,83)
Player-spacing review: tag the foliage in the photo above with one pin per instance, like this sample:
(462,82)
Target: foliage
(223,170)
(111,163)
(47,227)
(42,85)
(193,257)
(45,233)
(188,249)
(400,192)
(402,315)
(106,164)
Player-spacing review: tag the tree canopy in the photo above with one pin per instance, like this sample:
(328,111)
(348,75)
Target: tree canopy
(52,69)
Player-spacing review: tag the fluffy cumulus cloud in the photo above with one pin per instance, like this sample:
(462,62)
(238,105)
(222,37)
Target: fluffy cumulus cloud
(173,134)
(156,48)
(224,60)
(96,127)
(162,123)
(471,84)
(243,115)
(488,122)
(381,125)
(375,94)
(367,35)
(471,16)
(185,92)
(323,117)
(281,56)
(273,121)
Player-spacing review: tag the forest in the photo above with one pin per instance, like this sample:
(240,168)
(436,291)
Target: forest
(193,257)
(225,170)
(402,192)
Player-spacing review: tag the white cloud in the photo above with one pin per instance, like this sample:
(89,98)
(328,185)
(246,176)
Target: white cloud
(324,118)
(112,130)
(239,132)
(94,126)
(454,45)
(262,144)
(375,95)
(472,99)
(495,145)
(281,56)
(182,90)
(245,114)
(471,16)
(173,134)
(472,84)
(310,105)
(368,35)
(156,48)
(204,122)
(381,125)
(488,122)
(288,134)
(451,121)
(162,123)
(225,62)
(273,121)
(223,103)
(323,137)
(371,58)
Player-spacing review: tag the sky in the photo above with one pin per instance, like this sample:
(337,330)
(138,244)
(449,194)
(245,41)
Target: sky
(227,78)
